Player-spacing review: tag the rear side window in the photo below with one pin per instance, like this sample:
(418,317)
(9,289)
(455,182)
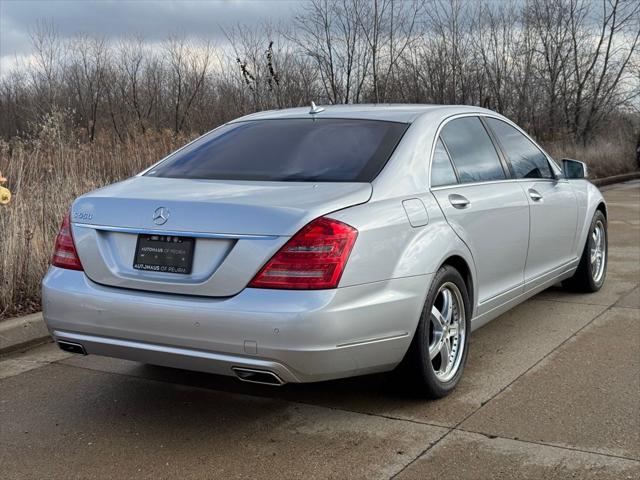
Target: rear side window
(526,159)
(472,151)
(313,150)
(442,172)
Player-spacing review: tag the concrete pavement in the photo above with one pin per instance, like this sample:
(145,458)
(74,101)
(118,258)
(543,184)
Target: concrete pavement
(551,390)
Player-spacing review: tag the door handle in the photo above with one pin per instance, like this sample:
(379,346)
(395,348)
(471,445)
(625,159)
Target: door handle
(458,201)
(535,195)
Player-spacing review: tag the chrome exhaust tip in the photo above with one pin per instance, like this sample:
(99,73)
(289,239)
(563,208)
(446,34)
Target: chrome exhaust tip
(71,347)
(263,377)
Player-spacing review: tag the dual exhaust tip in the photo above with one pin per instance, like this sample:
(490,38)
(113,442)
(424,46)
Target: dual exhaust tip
(71,347)
(263,377)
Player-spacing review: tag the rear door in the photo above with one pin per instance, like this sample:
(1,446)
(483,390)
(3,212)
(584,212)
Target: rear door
(488,212)
(553,205)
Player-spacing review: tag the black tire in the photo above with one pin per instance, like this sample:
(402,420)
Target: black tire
(584,279)
(417,372)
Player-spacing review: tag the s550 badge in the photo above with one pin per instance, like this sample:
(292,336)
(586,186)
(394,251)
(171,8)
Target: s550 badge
(82,216)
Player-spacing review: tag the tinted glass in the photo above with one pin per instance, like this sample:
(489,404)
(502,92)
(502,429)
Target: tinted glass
(526,159)
(441,169)
(472,150)
(330,150)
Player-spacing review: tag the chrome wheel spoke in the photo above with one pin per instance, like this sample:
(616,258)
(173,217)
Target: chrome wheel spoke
(435,349)
(447,306)
(440,321)
(453,330)
(445,353)
(599,239)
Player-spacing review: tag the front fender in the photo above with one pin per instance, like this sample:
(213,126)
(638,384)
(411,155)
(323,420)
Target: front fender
(588,197)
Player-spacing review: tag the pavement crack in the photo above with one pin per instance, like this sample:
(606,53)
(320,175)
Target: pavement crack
(546,444)
(421,454)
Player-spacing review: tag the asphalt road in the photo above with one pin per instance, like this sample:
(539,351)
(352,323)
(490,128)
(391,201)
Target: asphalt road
(551,390)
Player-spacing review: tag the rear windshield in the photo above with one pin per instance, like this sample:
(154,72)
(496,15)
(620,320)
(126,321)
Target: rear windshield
(322,150)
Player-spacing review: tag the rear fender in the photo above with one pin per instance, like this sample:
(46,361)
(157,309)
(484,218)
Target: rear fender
(388,246)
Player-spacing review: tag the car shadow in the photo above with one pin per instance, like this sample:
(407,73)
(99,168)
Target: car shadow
(383,385)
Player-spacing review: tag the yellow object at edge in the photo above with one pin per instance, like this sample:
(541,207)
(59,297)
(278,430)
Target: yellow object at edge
(5,196)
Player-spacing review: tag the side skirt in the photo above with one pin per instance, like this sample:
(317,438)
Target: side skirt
(532,288)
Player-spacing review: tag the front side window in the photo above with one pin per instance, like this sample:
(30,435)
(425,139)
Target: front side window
(527,160)
(295,150)
(472,150)
(442,172)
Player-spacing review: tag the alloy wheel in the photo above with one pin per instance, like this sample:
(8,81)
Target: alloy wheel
(447,332)
(598,251)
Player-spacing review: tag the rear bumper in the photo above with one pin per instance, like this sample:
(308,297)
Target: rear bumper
(301,336)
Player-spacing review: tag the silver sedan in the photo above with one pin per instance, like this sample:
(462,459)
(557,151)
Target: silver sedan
(310,244)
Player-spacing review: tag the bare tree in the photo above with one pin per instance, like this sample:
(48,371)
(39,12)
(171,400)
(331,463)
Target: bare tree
(48,62)
(561,68)
(388,27)
(328,31)
(604,68)
(188,65)
(87,78)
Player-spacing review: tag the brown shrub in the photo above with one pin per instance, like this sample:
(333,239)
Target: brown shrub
(604,157)
(45,174)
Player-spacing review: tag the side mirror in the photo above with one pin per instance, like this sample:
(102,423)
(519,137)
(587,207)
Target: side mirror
(574,169)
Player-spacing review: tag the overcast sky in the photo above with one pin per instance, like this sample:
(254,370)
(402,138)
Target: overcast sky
(154,19)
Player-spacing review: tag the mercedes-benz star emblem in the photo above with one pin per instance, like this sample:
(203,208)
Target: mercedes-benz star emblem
(161,215)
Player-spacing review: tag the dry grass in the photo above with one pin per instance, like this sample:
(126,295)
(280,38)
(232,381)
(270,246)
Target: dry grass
(47,172)
(605,157)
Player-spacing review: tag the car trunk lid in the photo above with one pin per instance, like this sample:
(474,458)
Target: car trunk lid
(237,227)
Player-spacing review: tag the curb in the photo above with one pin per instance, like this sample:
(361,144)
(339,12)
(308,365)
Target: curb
(601,182)
(20,332)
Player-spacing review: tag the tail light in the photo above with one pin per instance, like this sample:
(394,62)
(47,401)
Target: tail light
(64,252)
(314,258)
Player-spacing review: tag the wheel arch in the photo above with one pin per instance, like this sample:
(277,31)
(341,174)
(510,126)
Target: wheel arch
(589,200)
(461,265)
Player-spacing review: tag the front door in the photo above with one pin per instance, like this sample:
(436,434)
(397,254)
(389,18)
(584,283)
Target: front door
(554,215)
(552,201)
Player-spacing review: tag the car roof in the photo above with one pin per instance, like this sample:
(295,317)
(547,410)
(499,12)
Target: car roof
(404,113)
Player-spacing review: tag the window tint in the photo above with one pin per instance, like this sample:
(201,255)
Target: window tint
(472,151)
(330,150)
(526,159)
(442,172)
